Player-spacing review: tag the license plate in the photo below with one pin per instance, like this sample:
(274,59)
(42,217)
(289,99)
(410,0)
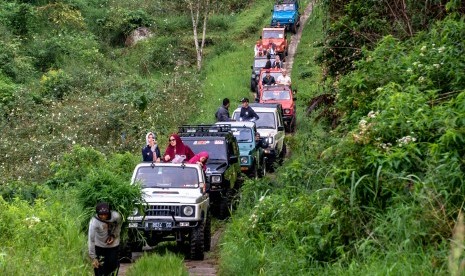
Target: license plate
(158,225)
(132,225)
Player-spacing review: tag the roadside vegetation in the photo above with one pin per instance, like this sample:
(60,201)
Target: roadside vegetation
(374,184)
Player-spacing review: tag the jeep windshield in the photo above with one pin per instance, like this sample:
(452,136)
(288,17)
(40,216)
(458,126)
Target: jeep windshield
(167,177)
(267,120)
(259,62)
(273,34)
(242,134)
(284,7)
(216,148)
(275,95)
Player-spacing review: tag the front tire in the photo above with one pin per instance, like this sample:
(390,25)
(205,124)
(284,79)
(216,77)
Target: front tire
(196,242)
(208,234)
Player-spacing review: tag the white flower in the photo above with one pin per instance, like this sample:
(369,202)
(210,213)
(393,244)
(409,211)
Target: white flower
(423,48)
(436,66)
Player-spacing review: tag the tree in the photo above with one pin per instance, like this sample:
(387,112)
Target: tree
(196,8)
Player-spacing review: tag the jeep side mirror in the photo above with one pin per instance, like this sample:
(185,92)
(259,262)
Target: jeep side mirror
(295,98)
(294,91)
(251,67)
(281,128)
(233,159)
(260,37)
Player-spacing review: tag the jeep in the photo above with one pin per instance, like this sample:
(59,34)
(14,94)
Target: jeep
(252,157)
(278,38)
(258,63)
(223,168)
(285,13)
(284,95)
(177,207)
(270,125)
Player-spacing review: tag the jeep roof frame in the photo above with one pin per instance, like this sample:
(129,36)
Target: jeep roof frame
(220,130)
(279,2)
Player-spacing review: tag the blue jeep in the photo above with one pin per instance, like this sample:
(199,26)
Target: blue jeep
(251,147)
(286,14)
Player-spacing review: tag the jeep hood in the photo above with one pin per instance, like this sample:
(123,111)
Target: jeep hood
(245,148)
(284,103)
(284,15)
(216,166)
(267,132)
(160,196)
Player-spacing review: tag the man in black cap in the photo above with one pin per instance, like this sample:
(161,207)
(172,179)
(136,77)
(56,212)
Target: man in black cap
(247,113)
(104,239)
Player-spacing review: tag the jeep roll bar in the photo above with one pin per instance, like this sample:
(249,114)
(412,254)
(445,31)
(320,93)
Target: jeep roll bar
(204,130)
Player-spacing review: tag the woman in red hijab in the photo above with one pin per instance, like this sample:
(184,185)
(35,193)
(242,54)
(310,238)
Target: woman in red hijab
(201,158)
(177,147)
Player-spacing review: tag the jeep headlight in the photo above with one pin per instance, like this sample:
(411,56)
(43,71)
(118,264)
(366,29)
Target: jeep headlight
(274,20)
(216,179)
(291,20)
(135,212)
(244,160)
(270,140)
(187,211)
(287,111)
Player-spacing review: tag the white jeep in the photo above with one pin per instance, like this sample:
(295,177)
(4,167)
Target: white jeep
(177,207)
(270,125)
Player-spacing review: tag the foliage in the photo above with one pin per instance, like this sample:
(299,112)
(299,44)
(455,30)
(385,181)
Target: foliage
(354,25)
(167,264)
(49,229)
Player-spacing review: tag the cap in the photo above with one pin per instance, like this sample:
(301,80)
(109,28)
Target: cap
(102,208)
(243,100)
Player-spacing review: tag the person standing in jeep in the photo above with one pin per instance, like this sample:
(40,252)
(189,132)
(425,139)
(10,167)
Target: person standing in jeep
(151,153)
(247,113)
(104,239)
(222,114)
(177,149)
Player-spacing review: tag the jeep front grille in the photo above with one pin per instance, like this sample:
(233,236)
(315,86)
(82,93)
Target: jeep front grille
(163,210)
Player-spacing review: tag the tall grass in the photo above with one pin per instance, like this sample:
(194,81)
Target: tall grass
(153,264)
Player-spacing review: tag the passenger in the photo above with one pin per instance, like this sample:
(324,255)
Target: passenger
(268,79)
(268,62)
(151,153)
(284,78)
(176,150)
(277,63)
(222,114)
(271,49)
(247,113)
(258,49)
(201,158)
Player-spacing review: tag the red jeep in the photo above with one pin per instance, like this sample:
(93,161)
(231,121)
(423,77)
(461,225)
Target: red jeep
(275,37)
(283,95)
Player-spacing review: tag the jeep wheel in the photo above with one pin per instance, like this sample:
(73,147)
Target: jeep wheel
(294,28)
(208,233)
(263,169)
(196,242)
(226,204)
(282,155)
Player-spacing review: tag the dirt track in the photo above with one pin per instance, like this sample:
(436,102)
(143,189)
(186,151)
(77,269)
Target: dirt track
(209,266)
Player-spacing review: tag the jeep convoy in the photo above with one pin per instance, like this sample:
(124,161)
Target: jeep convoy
(177,208)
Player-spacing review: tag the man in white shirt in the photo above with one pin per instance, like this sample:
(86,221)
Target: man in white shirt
(284,78)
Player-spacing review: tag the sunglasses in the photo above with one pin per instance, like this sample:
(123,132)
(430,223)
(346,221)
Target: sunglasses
(171,140)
